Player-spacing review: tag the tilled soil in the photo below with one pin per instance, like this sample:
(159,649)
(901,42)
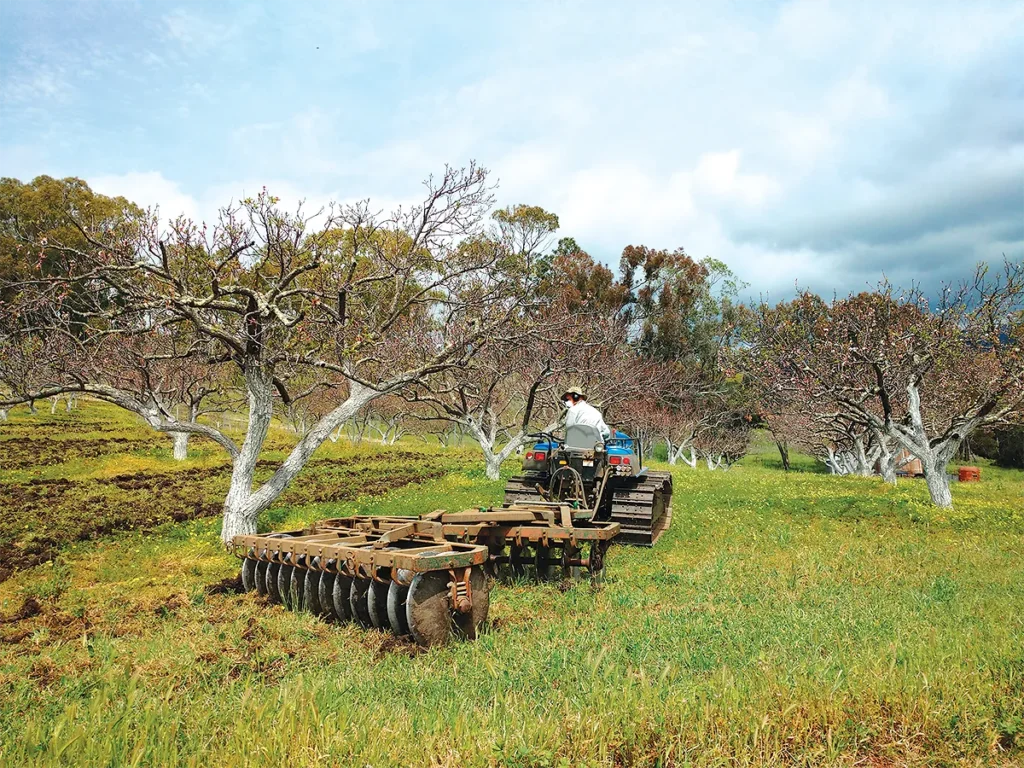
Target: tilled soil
(44,514)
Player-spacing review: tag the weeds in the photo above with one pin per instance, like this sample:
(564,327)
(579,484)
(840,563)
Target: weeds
(785,619)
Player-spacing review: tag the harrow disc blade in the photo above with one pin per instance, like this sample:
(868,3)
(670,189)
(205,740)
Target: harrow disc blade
(273,570)
(261,577)
(377,604)
(469,623)
(541,562)
(284,584)
(397,595)
(358,601)
(248,574)
(298,588)
(311,591)
(429,613)
(516,560)
(325,592)
(340,597)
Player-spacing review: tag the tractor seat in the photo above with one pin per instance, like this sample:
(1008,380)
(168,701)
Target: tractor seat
(582,437)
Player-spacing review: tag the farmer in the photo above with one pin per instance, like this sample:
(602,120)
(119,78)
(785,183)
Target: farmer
(582,412)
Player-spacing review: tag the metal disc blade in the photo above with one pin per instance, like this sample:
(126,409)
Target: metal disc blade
(397,595)
(261,577)
(340,597)
(358,602)
(284,584)
(542,563)
(468,624)
(273,569)
(516,560)
(326,595)
(248,574)
(377,604)
(427,609)
(298,588)
(311,591)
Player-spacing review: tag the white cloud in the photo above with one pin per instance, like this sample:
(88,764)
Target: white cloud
(149,189)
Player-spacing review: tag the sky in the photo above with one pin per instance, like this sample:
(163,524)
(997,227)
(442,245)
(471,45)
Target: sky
(813,144)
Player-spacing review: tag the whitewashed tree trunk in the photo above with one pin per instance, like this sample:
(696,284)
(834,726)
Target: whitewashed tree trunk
(180,445)
(243,505)
(53,404)
(3,414)
(69,403)
(862,464)
(886,458)
(934,457)
(678,451)
(938,482)
(487,440)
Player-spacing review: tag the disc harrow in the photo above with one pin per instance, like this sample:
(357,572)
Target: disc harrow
(427,577)
(407,578)
(542,539)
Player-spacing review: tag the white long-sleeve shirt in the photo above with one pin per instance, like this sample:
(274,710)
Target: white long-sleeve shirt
(584,413)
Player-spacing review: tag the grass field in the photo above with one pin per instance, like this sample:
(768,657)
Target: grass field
(785,619)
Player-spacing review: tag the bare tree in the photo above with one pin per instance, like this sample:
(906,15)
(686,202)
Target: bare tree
(361,303)
(912,374)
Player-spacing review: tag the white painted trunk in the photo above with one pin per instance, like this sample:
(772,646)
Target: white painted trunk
(3,414)
(938,482)
(240,512)
(53,404)
(493,466)
(180,445)
(69,403)
(677,452)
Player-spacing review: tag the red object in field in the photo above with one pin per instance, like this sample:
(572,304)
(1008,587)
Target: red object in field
(970,475)
(539,456)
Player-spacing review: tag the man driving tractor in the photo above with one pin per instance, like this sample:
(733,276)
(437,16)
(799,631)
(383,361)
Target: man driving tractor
(582,412)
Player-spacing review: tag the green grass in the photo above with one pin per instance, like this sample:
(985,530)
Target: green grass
(793,619)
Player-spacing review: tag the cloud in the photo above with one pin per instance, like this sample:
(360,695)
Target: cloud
(810,141)
(150,189)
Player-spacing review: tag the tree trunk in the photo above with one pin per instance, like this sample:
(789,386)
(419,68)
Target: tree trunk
(938,482)
(32,407)
(69,403)
(53,404)
(3,414)
(180,445)
(886,458)
(243,505)
(239,512)
(783,447)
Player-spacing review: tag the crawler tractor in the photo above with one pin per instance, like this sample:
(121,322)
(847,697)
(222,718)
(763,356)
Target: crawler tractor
(607,478)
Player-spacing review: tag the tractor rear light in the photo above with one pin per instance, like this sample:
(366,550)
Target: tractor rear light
(616,460)
(625,459)
(529,457)
(539,456)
